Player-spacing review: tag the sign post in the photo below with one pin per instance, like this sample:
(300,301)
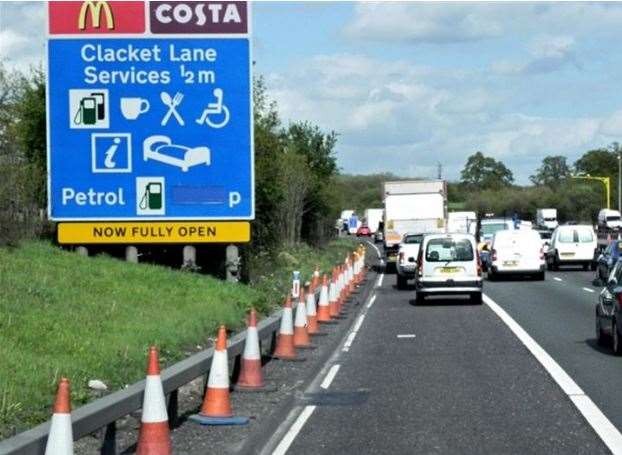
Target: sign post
(150,121)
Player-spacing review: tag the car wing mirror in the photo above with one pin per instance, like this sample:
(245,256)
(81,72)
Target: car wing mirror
(612,283)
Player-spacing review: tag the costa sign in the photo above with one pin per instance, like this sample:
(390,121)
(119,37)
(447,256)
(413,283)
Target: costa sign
(199,17)
(96,17)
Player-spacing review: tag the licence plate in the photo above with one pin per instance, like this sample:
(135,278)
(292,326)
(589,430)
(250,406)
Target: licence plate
(567,254)
(450,270)
(510,263)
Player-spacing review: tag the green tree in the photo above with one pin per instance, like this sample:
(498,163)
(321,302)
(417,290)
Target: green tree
(552,172)
(483,172)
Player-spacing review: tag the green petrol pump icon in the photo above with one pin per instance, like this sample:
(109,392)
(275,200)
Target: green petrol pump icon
(150,196)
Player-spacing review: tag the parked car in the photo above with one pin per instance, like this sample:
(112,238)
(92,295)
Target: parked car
(363,231)
(609,311)
(407,253)
(608,259)
(448,264)
(516,252)
(572,245)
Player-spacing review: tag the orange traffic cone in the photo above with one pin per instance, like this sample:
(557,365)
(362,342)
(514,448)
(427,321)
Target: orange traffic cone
(60,438)
(333,297)
(323,310)
(285,349)
(216,408)
(251,376)
(316,277)
(312,326)
(154,437)
(301,336)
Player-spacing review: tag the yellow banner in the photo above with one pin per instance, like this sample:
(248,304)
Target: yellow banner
(154,232)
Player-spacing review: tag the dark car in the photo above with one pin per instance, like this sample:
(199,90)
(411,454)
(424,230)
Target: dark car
(609,311)
(608,260)
(363,231)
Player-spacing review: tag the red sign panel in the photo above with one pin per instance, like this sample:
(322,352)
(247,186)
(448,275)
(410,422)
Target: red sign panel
(96,17)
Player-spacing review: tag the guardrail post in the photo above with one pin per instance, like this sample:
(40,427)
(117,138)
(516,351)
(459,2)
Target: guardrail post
(131,254)
(189,256)
(232,263)
(109,443)
(82,251)
(173,408)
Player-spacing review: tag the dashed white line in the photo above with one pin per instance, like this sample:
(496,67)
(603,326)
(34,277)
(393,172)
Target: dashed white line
(371,301)
(380,280)
(594,416)
(349,341)
(359,321)
(557,279)
(330,376)
(406,335)
(291,434)
(591,291)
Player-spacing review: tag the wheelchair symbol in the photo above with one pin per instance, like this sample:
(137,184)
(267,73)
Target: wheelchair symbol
(215,109)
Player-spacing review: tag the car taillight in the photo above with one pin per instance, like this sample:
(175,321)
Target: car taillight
(401,256)
(542,254)
(493,255)
(420,266)
(620,300)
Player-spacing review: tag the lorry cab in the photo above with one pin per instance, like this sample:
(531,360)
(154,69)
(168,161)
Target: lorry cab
(609,219)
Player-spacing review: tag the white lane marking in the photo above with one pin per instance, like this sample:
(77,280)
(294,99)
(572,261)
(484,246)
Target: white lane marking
(589,290)
(349,341)
(380,280)
(291,434)
(371,301)
(594,416)
(375,248)
(330,376)
(359,321)
(406,335)
(557,279)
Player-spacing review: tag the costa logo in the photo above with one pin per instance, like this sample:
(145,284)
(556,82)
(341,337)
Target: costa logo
(199,17)
(96,17)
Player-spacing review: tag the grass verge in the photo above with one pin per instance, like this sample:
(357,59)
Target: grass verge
(93,318)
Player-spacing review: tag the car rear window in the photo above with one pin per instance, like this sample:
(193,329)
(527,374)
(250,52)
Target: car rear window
(491,228)
(413,239)
(448,249)
(576,236)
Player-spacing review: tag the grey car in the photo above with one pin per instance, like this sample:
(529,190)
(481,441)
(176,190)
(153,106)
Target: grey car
(609,312)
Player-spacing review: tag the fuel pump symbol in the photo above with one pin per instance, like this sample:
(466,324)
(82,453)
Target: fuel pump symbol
(150,192)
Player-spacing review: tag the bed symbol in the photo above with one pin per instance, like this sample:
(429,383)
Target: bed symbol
(161,148)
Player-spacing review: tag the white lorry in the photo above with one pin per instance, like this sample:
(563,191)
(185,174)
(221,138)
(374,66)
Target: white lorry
(609,219)
(546,218)
(343,220)
(412,206)
(462,222)
(373,217)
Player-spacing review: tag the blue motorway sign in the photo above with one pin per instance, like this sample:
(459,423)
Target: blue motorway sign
(150,129)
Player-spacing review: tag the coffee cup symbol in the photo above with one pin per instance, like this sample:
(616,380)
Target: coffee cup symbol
(133,107)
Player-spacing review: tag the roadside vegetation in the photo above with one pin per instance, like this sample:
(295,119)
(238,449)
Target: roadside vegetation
(93,318)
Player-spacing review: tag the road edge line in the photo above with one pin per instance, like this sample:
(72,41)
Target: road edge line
(293,431)
(603,427)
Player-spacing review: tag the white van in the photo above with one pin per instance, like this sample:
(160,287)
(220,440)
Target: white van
(448,264)
(609,219)
(572,245)
(517,252)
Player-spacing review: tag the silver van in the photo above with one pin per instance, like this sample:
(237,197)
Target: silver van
(448,264)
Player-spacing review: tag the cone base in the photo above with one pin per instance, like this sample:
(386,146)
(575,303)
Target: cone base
(319,334)
(256,389)
(332,321)
(205,420)
(308,347)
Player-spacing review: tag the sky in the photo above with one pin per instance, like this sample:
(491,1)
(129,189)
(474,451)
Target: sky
(410,85)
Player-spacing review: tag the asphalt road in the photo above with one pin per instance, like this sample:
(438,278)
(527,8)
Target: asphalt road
(450,377)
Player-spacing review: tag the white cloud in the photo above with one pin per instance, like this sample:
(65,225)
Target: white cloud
(395,116)
(419,23)
(22,33)
(547,54)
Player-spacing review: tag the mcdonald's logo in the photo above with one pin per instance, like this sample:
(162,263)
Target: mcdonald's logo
(96,17)
(95,8)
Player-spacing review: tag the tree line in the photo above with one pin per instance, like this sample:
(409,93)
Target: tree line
(295,168)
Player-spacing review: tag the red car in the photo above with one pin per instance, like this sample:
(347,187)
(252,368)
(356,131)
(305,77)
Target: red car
(363,230)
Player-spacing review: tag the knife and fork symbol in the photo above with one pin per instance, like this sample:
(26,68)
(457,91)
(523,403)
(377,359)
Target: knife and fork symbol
(172,104)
